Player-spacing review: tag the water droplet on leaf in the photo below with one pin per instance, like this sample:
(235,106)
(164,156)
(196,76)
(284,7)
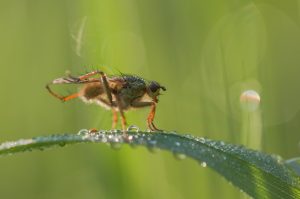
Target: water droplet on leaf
(115,145)
(179,156)
(61,144)
(133,127)
(203,164)
(250,100)
(83,132)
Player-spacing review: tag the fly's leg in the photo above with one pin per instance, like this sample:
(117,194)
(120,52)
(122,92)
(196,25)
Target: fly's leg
(151,118)
(62,98)
(114,118)
(123,118)
(69,80)
(151,115)
(86,76)
(106,87)
(69,97)
(82,79)
(103,80)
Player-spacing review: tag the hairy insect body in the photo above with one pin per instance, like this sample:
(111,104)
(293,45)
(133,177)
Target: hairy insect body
(127,88)
(118,93)
(94,93)
(133,90)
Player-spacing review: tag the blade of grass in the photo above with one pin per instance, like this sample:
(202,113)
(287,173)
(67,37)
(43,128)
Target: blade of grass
(258,174)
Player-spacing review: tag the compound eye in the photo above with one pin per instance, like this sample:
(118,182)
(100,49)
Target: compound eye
(154,86)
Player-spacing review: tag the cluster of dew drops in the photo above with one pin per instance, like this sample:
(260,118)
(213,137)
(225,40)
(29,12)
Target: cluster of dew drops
(115,139)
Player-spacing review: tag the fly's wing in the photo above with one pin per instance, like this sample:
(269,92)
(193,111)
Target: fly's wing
(68,80)
(116,83)
(73,80)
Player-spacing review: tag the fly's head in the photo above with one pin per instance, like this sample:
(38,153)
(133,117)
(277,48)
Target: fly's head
(153,90)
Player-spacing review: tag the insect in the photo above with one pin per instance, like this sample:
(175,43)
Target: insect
(117,93)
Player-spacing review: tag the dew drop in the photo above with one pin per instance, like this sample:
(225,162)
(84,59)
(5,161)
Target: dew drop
(177,143)
(203,164)
(133,127)
(115,145)
(152,142)
(83,132)
(104,139)
(41,148)
(152,149)
(201,139)
(250,100)
(179,156)
(115,131)
(61,144)
(129,138)
(152,146)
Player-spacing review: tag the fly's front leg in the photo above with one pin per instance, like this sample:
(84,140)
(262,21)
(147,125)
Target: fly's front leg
(151,115)
(108,94)
(86,76)
(106,87)
(151,118)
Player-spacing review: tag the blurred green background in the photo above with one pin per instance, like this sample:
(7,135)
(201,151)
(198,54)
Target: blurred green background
(207,53)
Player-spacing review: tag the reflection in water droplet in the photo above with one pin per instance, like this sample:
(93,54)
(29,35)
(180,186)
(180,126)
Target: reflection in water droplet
(133,127)
(179,156)
(250,100)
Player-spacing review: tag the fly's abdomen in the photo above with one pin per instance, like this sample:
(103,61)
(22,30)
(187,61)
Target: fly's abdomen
(91,91)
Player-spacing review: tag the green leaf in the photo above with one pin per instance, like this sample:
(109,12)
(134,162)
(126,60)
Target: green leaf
(258,174)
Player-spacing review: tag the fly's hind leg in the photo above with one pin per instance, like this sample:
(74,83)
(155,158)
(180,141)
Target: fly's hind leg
(104,81)
(106,89)
(62,98)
